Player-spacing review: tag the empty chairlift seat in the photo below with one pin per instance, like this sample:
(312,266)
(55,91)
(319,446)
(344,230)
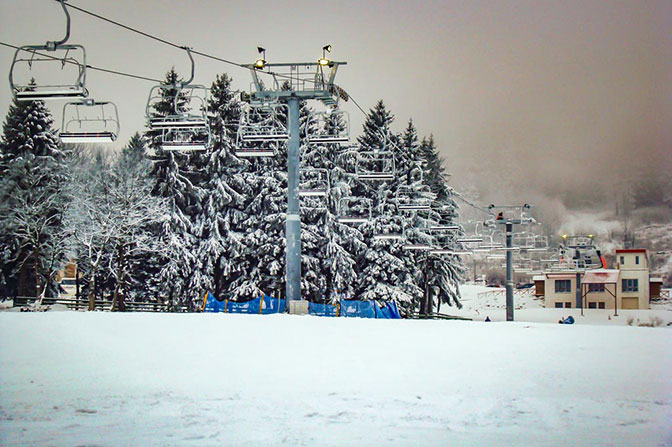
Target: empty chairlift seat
(178,113)
(313,182)
(55,70)
(88,121)
(328,127)
(375,166)
(354,210)
(64,66)
(413,198)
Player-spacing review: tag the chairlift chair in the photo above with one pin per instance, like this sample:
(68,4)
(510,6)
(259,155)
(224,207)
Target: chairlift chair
(185,127)
(184,140)
(89,121)
(320,129)
(354,210)
(263,122)
(375,166)
(390,233)
(30,57)
(419,239)
(313,182)
(412,198)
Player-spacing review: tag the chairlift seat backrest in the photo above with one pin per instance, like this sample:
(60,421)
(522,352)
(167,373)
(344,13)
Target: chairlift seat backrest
(320,129)
(88,121)
(73,62)
(375,166)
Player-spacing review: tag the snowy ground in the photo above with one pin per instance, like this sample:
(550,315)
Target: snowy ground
(108,379)
(530,309)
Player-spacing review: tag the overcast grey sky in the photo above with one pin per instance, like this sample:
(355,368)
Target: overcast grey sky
(561,94)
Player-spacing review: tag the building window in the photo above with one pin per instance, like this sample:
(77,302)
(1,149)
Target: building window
(568,305)
(558,305)
(596,287)
(637,260)
(622,260)
(600,305)
(592,305)
(630,285)
(563,286)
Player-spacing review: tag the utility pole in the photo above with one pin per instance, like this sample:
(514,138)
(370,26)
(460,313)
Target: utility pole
(510,216)
(509,271)
(316,81)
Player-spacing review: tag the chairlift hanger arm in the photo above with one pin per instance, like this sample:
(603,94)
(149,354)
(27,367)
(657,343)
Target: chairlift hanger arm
(52,45)
(191,58)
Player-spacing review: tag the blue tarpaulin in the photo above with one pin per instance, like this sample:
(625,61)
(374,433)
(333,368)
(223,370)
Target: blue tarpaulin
(270,305)
(322,310)
(356,308)
(387,310)
(263,304)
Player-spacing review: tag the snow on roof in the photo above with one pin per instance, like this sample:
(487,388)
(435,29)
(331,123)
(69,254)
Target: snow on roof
(538,278)
(601,277)
(655,279)
(561,275)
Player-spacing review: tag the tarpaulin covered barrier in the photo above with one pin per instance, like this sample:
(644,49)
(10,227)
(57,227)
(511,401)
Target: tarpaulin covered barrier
(263,304)
(268,305)
(356,308)
(322,310)
(387,310)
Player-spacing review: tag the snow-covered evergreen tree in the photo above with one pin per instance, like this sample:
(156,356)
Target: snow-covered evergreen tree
(177,177)
(443,272)
(33,173)
(329,247)
(224,261)
(387,270)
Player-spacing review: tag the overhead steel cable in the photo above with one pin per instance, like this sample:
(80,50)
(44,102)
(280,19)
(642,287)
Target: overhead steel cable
(150,36)
(199,53)
(90,67)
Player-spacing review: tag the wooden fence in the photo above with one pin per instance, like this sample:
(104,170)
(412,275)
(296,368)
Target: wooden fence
(83,304)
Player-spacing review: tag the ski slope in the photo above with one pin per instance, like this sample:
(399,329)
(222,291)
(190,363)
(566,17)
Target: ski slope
(111,379)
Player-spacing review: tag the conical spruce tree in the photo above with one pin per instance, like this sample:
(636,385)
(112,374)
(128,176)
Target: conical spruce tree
(177,177)
(33,173)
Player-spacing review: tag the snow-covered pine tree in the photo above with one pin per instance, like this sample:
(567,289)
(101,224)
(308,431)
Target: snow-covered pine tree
(33,174)
(443,272)
(329,247)
(222,252)
(135,149)
(265,222)
(177,177)
(387,270)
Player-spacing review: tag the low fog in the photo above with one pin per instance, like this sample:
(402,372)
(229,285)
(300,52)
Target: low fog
(568,107)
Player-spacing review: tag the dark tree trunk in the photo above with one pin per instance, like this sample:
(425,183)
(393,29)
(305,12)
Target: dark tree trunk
(120,272)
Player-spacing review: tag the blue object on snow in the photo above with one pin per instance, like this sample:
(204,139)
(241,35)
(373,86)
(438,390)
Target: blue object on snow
(356,308)
(387,310)
(322,310)
(268,305)
(568,320)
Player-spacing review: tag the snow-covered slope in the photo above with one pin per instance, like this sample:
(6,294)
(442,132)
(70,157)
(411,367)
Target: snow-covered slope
(479,302)
(72,378)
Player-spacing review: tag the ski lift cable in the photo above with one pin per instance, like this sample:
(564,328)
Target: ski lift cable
(199,53)
(90,67)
